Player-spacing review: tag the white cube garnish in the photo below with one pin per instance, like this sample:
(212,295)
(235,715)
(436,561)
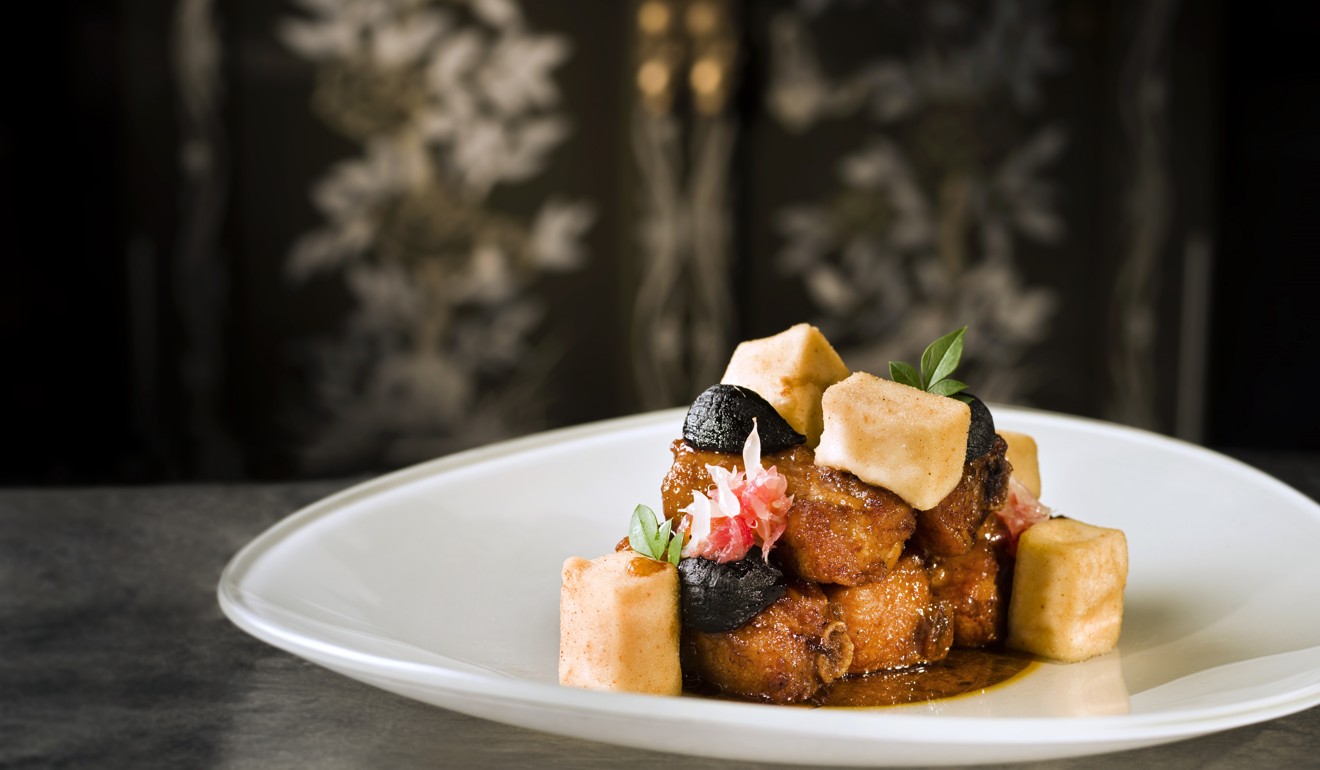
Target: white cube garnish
(1068,586)
(908,441)
(791,370)
(619,625)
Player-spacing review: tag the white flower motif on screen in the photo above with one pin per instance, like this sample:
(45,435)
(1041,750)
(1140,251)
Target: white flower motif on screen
(502,14)
(516,74)
(1021,185)
(449,100)
(389,298)
(488,278)
(923,232)
(399,42)
(350,197)
(557,234)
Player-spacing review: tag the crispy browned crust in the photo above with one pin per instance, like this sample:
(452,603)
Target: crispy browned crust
(949,529)
(975,586)
(839,530)
(783,655)
(688,474)
(895,622)
(844,546)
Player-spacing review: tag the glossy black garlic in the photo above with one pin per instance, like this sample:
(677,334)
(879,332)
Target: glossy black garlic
(721,597)
(720,420)
(981,434)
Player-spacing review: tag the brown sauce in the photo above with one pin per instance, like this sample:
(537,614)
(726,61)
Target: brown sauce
(640,566)
(963,671)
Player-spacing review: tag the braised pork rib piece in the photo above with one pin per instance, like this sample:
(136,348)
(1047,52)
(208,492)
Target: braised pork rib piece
(975,586)
(785,654)
(840,529)
(895,622)
(949,529)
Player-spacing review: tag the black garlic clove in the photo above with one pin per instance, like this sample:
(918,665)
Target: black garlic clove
(981,434)
(720,420)
(721,597)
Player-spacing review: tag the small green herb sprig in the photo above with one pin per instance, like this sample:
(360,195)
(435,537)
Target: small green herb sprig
(937,363)
(652,539)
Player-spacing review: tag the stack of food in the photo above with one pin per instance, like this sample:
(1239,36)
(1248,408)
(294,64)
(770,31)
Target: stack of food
(820,524)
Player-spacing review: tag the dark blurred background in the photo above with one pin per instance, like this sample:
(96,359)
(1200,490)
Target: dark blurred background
(249,239)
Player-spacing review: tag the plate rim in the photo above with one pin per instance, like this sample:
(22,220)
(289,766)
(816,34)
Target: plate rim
(869,725)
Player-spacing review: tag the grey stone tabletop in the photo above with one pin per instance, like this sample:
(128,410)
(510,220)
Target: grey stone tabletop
(115,654)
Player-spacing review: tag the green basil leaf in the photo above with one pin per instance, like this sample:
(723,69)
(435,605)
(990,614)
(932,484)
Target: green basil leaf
(676,548)
(637,530)
(904,374)
(649,524)
(938,361)
(948,387)
(942,357)
(927,364)
(662,540)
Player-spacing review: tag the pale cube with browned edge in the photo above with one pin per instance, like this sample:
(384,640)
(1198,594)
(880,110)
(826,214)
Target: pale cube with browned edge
(791,370)
(1021,454)
(1068,583)
(619,624)
(890,435)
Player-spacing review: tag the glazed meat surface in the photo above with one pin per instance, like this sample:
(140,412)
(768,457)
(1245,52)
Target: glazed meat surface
(949,529)
(975,586)
(840,529)
(895,622)
(783,655)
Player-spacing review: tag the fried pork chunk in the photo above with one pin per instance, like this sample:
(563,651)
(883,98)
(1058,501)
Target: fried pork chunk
(840,529)
(975,586)
(895,622)
(949,529)
(783,655)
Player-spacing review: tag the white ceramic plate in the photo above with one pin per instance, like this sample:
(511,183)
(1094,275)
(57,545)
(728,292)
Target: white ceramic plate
(441,583)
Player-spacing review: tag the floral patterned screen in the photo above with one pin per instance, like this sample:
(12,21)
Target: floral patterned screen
(448,106)
(948,181)
(377,231)
(448,286)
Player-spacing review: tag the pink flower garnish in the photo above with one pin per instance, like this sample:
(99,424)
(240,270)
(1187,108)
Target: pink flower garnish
(1020,512)
(740,510)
